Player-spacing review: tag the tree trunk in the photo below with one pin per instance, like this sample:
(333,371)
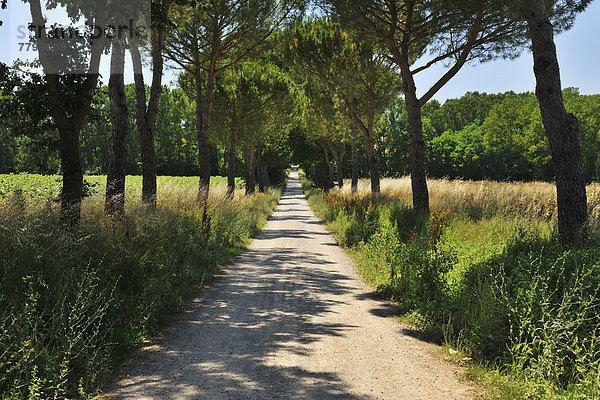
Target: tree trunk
(231,162)
(339,167)
(340,174)
(148,152)
(69,126)
(562,128)
(158,37)
(373,162)
(354,157)
(146,117)
(259,173)
(70,161)
(417,154)
(312,171)
(250,183)
(203,112)
(368,131)
(114,202)
(329,162)
(266,177)
(330,175)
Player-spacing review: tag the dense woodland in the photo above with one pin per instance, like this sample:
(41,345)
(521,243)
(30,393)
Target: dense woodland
(509,280)
(477,137)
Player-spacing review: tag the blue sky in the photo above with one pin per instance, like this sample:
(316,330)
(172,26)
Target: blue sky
(578,52)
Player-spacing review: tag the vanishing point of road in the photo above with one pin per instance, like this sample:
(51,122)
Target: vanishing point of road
(290,320)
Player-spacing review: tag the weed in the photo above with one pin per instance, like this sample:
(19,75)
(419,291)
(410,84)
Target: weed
(485,272)
(80,300)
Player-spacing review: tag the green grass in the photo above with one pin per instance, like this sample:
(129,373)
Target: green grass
(496,287)
(74,303)
(38,187)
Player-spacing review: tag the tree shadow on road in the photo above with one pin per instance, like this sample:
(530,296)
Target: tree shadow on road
(224,348)
(244,338)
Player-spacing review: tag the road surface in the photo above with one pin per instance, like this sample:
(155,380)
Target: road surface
(290,320)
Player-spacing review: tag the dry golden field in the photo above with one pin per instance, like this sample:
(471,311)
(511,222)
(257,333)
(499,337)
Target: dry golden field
(484,198)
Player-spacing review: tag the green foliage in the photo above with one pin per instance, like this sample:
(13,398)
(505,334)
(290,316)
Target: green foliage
(432,32)
(349,82)
(74,303)
(32,145)
(175,136)
(29,139)
(256,102)
(498,288)
(243,26)
(496,137)
(356,217)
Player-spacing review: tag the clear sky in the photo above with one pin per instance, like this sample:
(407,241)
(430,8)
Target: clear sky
(578,52)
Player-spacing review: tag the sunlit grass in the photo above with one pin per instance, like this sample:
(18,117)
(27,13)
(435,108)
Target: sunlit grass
(116,279)
(484,274)
(480,199)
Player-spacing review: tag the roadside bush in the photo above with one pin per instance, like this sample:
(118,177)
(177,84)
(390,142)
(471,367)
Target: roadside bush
(417,264)
(554,307)
(511,298)
(74,303)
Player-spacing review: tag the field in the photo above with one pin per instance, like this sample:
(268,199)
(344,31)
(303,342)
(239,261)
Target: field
(485,275)
(47,187)
(74,303)
(482,199)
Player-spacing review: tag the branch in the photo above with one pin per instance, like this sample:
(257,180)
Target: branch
(471,42)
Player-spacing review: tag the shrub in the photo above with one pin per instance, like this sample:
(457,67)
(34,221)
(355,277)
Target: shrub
(486,277)
(417,264)
(73,303)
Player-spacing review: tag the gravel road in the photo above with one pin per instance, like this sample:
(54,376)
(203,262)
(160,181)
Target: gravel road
(290,320)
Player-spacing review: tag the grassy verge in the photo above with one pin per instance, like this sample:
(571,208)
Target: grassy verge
(47,187)
(494,286)
(73,304)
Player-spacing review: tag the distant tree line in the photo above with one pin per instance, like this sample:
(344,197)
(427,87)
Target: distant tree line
(37,152)
(478,136)
(28,146)
(488,136)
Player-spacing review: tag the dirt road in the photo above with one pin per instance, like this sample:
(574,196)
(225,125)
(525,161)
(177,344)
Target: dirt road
(291,320)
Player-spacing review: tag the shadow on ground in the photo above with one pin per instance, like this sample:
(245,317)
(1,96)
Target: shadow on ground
(225,346)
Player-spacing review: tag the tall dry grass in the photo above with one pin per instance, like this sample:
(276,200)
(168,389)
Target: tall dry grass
(73,302)
(485,275)
(483,199)
(173,193)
